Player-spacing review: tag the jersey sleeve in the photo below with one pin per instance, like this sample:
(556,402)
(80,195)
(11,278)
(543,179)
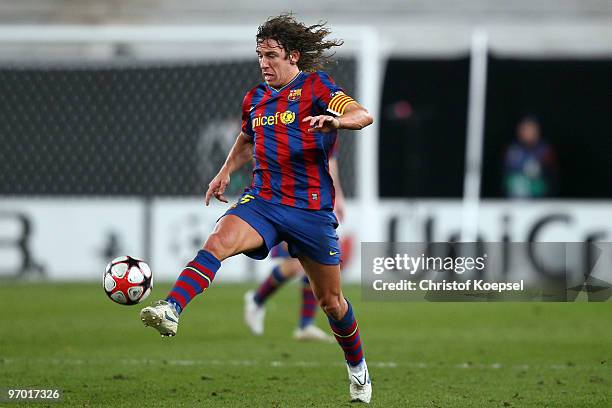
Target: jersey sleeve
(247,127)
(330,97)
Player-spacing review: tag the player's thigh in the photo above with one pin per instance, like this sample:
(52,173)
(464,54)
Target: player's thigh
(232,235)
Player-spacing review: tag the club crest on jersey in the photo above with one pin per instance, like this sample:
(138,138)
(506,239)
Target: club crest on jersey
(294,95)
(314,196)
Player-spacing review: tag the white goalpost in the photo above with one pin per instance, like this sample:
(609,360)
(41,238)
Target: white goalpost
(475,136)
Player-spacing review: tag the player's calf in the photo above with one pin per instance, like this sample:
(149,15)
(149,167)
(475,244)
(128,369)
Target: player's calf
(346,332)
(163,315)
(196,277)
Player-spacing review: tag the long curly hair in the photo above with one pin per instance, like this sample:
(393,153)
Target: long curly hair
(292,35)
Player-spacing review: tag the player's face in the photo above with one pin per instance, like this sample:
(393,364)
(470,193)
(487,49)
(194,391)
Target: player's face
(277,67)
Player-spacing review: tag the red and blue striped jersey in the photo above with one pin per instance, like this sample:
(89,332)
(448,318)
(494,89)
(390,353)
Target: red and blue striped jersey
(291,165)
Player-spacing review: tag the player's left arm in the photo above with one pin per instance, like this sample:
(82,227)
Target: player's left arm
(355,117)
(240,154)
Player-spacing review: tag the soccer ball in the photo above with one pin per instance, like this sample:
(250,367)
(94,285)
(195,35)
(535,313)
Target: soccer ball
(127,280)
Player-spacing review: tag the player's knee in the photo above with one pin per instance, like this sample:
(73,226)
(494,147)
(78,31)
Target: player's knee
(332,305)
(219,245)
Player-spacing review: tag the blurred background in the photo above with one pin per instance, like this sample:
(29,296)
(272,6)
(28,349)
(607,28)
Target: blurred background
(492,123)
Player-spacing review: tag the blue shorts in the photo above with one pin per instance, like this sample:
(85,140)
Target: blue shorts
(311,233)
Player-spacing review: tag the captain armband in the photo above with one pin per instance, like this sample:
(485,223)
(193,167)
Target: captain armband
(338,103)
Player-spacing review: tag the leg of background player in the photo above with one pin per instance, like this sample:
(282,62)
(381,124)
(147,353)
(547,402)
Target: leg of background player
(325,282)
(254,310)
(307,330)
(288,269)
(309,304)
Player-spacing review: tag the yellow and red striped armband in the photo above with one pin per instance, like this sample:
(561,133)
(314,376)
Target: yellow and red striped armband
(338,103)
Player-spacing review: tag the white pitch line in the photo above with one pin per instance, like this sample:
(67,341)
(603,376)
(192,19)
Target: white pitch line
(278,364)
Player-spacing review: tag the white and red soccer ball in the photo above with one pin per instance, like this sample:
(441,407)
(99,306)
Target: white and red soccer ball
(127,280)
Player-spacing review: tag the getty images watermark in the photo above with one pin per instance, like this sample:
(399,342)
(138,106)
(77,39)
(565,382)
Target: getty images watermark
(454,264)
(486,271)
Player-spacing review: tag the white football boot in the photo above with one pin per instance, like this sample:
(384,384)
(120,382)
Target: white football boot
(253,314)
(361,385)
(161,316)
(312,333)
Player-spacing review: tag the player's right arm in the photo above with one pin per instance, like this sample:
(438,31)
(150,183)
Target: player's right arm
(240,154)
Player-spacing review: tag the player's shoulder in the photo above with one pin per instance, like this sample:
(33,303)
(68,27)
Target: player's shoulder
(322,80)
(320,75)
(254,90)
(259,87)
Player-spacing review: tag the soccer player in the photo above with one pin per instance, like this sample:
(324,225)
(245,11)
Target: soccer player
(287,269)
(289,126)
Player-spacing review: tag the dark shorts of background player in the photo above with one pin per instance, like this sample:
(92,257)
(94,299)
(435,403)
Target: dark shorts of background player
(311,233)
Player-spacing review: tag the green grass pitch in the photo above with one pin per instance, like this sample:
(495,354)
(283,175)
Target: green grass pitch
(71,337)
